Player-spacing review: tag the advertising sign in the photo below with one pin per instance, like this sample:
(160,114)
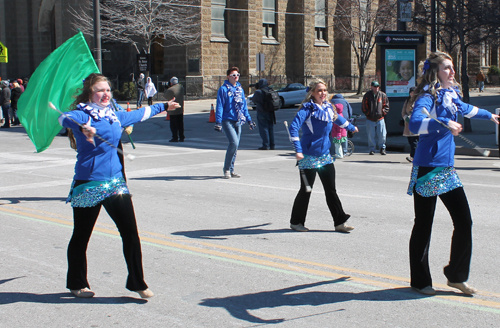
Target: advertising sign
(399,72)
(4,56)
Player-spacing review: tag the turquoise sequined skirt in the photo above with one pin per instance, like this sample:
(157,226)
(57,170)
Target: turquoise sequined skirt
(92,193)
(437,182)
(314,162)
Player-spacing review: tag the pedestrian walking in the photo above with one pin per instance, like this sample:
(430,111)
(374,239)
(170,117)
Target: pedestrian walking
(149,90)
(315,117)
(347,113)
(265,119)
(338,135)
(480,78)
(439,96)
(375,106)
(5,95)
(140,84)
(406,114)
(15,94)
(230,114)
(176,90)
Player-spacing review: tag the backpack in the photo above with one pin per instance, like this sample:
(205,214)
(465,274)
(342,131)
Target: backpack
(271,100)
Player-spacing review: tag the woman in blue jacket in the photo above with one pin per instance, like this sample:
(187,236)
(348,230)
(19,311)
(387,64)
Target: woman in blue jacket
(230,114)
(316,116)
(99,181)
(433,174)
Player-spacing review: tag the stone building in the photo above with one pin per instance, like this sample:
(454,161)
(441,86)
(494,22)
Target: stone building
(296,38)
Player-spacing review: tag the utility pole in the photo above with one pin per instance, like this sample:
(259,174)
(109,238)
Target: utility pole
(97,35)
(433,26)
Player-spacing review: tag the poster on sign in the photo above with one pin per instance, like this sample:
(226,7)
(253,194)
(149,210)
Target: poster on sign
(399,72)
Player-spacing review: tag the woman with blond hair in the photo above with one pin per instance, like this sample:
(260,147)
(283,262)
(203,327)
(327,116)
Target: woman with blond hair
(438,97)
(316,117)
(99,181)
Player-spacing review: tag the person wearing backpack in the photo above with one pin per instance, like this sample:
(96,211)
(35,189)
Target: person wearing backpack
(263,98)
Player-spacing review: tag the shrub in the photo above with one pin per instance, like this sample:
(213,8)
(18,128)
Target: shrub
(494,70)
(127,92)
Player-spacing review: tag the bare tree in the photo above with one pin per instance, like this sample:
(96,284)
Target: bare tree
(359,21)
(462,24)
(142,22)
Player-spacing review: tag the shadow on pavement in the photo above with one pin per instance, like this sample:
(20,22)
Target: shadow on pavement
(10,279)
(183,177)
(239,306)
(17,200)
(64,298)
(219,233)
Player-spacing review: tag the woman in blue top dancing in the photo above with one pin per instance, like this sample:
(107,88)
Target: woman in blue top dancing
(316,116)
(99,181)
(438,97)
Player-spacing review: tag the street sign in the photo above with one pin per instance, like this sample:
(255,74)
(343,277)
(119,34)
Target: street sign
(261,66)
(143,62)
(4,57)
(405,11)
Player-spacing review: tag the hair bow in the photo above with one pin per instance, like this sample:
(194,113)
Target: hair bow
(427,65)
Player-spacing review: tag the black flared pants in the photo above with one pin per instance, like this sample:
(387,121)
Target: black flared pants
(458,268)
(121,211)
(327,175)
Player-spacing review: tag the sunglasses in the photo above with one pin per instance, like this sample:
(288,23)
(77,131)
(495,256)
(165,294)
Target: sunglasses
(235,74)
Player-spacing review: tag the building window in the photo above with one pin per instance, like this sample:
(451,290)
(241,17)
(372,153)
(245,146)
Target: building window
(320,22)
(218,20)
(269,19)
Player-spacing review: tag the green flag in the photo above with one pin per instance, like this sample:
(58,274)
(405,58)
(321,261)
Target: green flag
(55,80)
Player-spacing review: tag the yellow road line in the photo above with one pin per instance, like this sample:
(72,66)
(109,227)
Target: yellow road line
(265,260)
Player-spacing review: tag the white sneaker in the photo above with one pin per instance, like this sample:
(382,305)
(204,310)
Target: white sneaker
(343,228)
(426,290)
(298,227)
(466,289)
(227,175)
(83,293)
(235,175)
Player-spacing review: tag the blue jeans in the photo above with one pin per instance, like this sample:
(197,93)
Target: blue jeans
(266,128)
(6,115)
(140,97)
(480,84)
(344,145)
(232,130)
(376,134)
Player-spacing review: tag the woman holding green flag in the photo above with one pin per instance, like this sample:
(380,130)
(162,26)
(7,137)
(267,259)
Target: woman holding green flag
(99,181)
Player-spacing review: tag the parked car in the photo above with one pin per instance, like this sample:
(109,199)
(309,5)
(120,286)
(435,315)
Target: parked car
(290,94)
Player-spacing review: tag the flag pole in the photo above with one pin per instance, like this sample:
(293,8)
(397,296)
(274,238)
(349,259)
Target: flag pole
(97,35)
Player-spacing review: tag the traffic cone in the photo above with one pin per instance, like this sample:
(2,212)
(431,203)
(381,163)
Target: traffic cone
(212,115)
(128,107)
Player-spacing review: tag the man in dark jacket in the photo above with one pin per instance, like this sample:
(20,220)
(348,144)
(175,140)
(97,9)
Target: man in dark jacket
(15,94)
(265,119)
(140,83)
(375,106)
(347,112)
(176,116)
(5,102)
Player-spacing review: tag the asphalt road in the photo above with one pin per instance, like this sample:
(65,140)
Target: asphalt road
(219,253)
